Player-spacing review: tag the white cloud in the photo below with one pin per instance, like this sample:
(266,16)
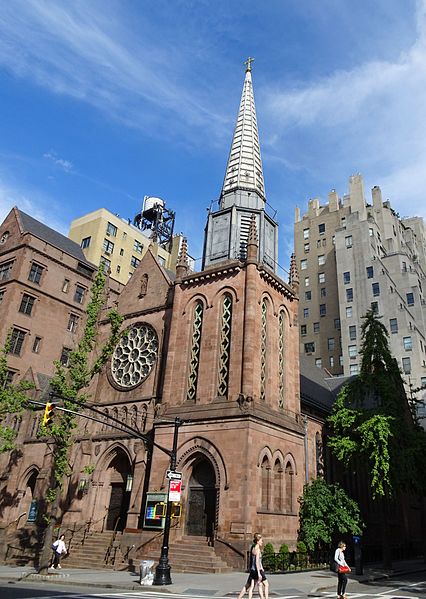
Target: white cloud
(65,165)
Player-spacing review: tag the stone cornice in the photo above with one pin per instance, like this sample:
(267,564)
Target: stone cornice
(276,283)
(211,273)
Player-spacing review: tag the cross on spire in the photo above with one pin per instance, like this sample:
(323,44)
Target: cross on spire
(248,63)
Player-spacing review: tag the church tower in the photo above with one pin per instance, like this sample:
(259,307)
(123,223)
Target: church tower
(243,194)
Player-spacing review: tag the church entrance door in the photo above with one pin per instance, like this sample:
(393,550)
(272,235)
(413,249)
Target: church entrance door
(119,499)
(202,500)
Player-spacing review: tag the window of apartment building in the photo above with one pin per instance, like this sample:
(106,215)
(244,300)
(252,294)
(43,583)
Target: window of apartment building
(36,345)
(318,362)
(323,309)
(111,230)
(309,347)
(16,341)
(35,273)
(343,221)
(331,361)
(2,292)
(161,260)
(108,246)
(375,307)
(333,240)
(106,263)
(316,327)
(323,292)
(5,270)
(352,332)
(324,242)
(305,312)
(79,294)
(306,248)
(134,261)
(370,272)
(376,289)
(121,252)
(321,228)
(352,351)
(118,268)
(65,285)
(27,303)
(124,235)
(321,277)
(337,324)
(306,281)
(404,267)
(408,343)
(72,323)
(303,264)
(348,241)
(370,232)
(65,356)
(321,259)
(303,330)
(308,295)
(410,299)
(346,277)
(318,243)
(406,365)
(331,343)
(85,242)
(340,360)
(348,311)
(137,246)
(305,233)
(9,379)
(423,381)
(349,294)
(353,369)
(130,274)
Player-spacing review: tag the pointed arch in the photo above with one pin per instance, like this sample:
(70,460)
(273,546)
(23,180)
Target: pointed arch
(277,485)
(209,450)
(265,495)
(195,349)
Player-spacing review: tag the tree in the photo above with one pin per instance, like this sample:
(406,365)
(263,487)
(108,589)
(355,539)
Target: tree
(70,384)
(12,400)
(325,512)
(373,424)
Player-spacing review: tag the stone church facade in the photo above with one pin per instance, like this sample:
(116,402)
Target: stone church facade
(219,349)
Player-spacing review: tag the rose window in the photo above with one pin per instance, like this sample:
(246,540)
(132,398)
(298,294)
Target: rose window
(134,355)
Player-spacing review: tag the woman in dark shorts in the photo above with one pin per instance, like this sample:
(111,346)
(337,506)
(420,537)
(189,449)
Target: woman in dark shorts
(257,575)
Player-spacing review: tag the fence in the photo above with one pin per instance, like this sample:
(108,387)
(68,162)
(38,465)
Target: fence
(294,561)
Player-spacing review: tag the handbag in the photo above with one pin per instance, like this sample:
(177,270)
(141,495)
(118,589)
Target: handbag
(343,569)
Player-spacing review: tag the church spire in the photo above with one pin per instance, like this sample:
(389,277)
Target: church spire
(244,169)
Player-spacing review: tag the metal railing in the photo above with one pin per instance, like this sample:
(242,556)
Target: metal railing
(294,561)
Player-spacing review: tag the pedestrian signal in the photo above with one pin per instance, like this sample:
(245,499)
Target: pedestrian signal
(48,414)
(160,510)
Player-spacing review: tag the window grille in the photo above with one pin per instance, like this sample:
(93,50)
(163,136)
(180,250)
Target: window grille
(225,345)
(263,349)
(281,356)
(195,351)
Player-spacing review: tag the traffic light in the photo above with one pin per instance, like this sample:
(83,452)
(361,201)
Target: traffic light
(48,414)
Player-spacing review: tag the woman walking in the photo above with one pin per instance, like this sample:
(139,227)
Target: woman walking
(257,573)
(342,568)
(58,549)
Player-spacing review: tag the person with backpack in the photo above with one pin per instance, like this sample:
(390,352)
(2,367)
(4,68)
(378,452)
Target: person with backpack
(59,549)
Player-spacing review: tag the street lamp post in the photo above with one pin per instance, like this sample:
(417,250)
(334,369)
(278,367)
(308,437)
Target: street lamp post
(162,571)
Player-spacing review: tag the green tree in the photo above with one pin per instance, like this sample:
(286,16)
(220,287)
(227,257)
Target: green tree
(372,424)
(325,511)
(12,400)
(70,383)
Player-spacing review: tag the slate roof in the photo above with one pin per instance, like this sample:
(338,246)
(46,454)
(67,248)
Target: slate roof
(35,227)
(317,389)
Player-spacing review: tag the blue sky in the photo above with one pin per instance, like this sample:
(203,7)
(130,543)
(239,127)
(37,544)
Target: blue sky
(103,102)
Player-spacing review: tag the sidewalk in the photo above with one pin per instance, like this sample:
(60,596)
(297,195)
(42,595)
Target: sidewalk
(213,585)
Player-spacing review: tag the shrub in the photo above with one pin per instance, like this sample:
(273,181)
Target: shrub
(283,557)
(302,554)
(268,557)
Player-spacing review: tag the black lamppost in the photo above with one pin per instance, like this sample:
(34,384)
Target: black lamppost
(162,571)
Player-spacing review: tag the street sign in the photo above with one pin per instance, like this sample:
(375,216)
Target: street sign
(172,475)
(175,487)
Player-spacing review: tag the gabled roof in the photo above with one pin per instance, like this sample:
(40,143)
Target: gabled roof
(38,229)
(317,389)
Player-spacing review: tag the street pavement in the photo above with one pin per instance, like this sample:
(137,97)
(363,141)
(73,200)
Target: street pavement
(315,583)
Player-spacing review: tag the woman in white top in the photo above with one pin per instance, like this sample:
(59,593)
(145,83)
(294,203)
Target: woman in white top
(58,549)
(342,579)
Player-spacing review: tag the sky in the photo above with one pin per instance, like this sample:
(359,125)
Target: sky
(105,101)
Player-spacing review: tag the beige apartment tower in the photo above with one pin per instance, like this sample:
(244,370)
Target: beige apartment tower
(353,255)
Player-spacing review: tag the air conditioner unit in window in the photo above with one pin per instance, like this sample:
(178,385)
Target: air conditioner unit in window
(108,252)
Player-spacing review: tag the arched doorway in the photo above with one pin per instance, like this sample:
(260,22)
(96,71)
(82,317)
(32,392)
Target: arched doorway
(119,472)
(202,496)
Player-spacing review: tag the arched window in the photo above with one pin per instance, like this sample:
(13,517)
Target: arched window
(105,425)
(197,325)
(319,455)
(263,348)
(278,486)
(266,483)
(289,487)
(134,417)
(124,415)
(225,346)
(281,359)
(144,416)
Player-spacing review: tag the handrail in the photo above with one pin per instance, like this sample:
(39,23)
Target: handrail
(13,521)
(156,536)
(111,544)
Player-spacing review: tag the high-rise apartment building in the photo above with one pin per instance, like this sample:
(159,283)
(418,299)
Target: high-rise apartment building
(351,256)
(107,238)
